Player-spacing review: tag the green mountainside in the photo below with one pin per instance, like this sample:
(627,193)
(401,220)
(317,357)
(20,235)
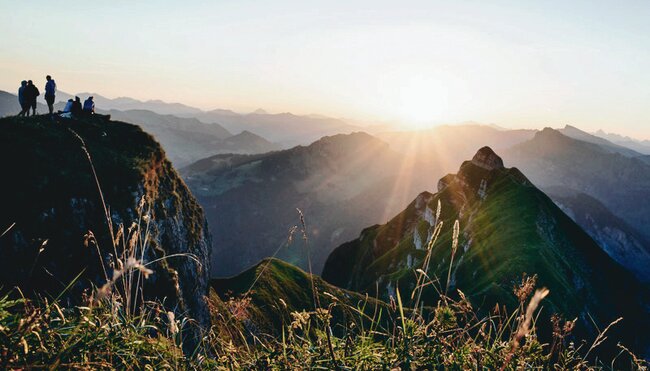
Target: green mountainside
(276,289)
(507,228)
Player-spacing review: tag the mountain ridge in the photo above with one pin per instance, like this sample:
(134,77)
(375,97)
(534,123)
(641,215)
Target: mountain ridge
(507,227)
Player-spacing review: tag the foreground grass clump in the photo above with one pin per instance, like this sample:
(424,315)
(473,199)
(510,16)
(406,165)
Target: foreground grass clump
(451,337)
(48,336)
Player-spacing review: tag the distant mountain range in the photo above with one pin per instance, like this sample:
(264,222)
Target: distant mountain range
(575,133)
(187,140)
(341,183)
(243,194)
(448,145)
(641,146)
(618,181)
(286,129)
(127,104)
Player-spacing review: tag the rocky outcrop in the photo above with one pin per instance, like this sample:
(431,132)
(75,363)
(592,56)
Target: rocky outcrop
(487,159)
(49,193)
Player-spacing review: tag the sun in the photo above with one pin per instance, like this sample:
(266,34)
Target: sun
(421,102)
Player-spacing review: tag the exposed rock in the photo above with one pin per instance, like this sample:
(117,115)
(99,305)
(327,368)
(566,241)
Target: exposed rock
(487,159)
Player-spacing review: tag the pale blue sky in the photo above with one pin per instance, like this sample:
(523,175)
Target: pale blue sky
(515,63)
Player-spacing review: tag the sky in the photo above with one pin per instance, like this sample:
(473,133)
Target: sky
(512,63)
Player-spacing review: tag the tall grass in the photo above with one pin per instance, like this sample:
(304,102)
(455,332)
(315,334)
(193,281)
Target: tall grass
(105,332)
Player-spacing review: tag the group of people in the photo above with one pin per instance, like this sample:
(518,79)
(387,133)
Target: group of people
(28,92)
(75,108)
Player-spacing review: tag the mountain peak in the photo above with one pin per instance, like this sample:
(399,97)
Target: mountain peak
(487,159)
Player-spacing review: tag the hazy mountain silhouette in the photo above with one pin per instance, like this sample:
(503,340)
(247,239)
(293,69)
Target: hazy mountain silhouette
(187,140)
(575,133)
(126,103)
(286,129)
(341,183)
(641,146)
(619,182)
(449,145)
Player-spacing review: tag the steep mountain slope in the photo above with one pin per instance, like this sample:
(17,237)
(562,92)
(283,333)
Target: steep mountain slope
(187,140)
(621,242)
(49,192)
(341,183)
(617,181)
(508,227)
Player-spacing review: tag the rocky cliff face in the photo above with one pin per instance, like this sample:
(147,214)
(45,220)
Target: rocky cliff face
(48,193)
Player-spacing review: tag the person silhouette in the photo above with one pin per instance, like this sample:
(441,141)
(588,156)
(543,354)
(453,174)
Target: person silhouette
(68,106)
(76,108)
(30,94)
(50,91)
(89,106)
(21,98)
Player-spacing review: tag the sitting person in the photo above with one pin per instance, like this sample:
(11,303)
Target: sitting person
(89,106)
(67,110)
(76,108)
(68,106)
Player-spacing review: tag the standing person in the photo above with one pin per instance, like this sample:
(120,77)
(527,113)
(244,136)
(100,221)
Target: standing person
(50,91)
(21,98)
(30,94)
(89,106)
